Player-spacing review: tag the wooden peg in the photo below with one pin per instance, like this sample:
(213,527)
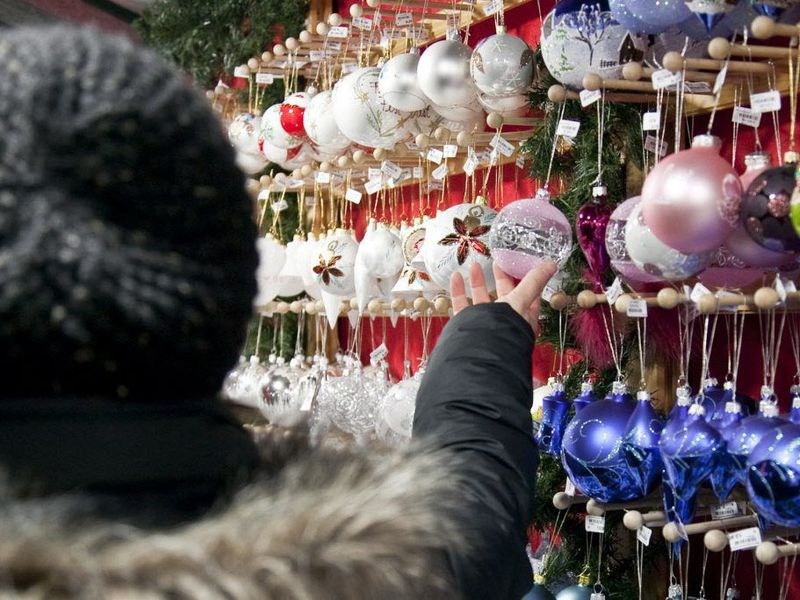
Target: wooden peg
(594,82)
(766,298)
(421,304)
(669,298)
(562,500)
(589,299)
(769,553)
(673,534)
(720,48)
(621,305)
(764,28)
(559,301)
(674,62)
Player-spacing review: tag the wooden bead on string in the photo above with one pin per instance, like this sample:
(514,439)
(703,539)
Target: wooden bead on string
(291,44)
(559,301)
(322,29)
(398,304)
(668,298)
(494,120)
(334,19)
(440,134)
(715,540)
(593,507)
(673,61)
(266,57)
(264,181)
(421,304)
(311,308)
(282,308)
(557,93)
(464,138)
(422,140)
(359,156)
(708,304)
(632,71)
(306,170)
(633,520)
(253,64)
(622,303)
(562,500)
(373,3)
(592,82)
(325,167)
(305,36)
(296,307)
(441,304)
(356,11)
(766,298)
(587,299)
(719,48)
(279,49)
(762,28)
(320,306)
(379,153)
(375,307)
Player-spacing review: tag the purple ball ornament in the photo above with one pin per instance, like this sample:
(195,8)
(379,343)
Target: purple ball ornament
(766,210)
(711,397)
(742,439)
(586,397)
(640,443)
(555,409)
(680,411)
(527,232)
(592,450)
(733,410)
(617,250)
(773,476)
(728,271)
(691,453)
(591,222)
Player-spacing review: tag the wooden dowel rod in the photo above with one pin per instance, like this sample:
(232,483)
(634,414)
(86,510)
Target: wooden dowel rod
(689,75)
(562,500)
(709,64)
(764,28)
(393,6)
(599,508)
(769,553)
(672,532)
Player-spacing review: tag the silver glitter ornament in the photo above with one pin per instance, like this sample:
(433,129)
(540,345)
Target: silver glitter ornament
(502,65)
(398,84)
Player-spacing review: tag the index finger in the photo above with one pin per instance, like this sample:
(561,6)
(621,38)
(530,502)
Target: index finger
(532,285)
(458,292)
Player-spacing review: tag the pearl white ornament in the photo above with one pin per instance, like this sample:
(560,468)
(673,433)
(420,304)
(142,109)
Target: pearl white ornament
(271,258)
(443,74)
(505,106)
(381,251)
(320,123)
(502,65)
(272,132)
(398,83)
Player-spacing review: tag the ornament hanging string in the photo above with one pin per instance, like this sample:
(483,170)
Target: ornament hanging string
(770,343)
(708,342)
(721,85)
(788,564)
(555,144)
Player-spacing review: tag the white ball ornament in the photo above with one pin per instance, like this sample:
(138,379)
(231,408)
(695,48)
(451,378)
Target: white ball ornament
(272,131)
(443,74)
(307,259)
(243,132)
(381,252)
(457,238)
(502,65)
(277,155)
(363,115)
(656,258)
(271,258)
(398,83)
(250,163)
(334,268)
(505,106)
(320,123)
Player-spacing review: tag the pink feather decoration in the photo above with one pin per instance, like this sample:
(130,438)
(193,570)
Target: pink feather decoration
(589,329)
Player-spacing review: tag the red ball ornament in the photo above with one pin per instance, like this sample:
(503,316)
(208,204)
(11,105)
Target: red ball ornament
(292,111)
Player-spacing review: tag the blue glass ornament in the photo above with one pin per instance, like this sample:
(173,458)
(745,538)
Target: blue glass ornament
(586,398)
(794,413)
(623,15)
(711,397)
(773,476)
(742,439)
(580,591)
(555,409)
(691,453)
(660,12)
(640,444)
(592,449)
(538,592)
(732,409)
(677,509)
(724,476)
(768,10)
(679,412)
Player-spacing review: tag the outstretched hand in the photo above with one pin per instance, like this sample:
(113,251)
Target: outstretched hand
(523,297)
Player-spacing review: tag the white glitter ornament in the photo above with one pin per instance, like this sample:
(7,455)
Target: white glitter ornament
(334,268)
(395,416)
(271,258)
(363,115)
(656,258)
(457,238)
(243,132)
(527,232)
(587,40)
(381,251)
(241,384)
(502,65)
(273,132)
(443,74)
(320,123)
(398,83)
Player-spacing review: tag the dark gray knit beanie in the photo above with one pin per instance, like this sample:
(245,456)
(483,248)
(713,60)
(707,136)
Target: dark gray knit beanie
(127,251)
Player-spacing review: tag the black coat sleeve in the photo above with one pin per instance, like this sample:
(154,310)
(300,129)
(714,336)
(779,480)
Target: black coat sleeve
(475,400)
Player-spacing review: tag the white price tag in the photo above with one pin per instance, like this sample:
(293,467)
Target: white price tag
(589,97)
(643,534)
(568,128)
(322,177)
(744,539)
(362,23)
(502,145)
(697,87)
(439,172)
(295,183)
(492,7)
(378,354)
(353,196)
(746,116)
(372,186)
(435,155)
(263,194)
(334,47)
(614,292)
(470,164)
(373,173)
(417,173)
(406,174)
(698,291)
(569,488)
(597,596)
(651,121)
(493,156)
(637,308)
(651,146)
(242,72)
(316,55)
(403,19)
(595,524)
(724,511)
(264,78)
(279,206)
(450,150)
(720,80)
(766,101)
(435,185)
(349,67)
(391,169)
(664,78)
(340,32)
(780,288)
(520,162)
(411,145)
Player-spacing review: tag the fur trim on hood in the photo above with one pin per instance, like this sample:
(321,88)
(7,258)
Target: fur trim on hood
(335,524)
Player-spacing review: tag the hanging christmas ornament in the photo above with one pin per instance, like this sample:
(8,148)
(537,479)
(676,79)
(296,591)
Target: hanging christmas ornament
(293,110)
(592,452)
(273,132)
(664,13)
(502,64)
(773,9)
(679,412)
(469,116)
(583,37)
(625,17)
(443,74)
(555,409)
(617,250)
(398,85)
(640,444)
(538,592)
(241,384)
(580,591)
(381,251)
(710,12)
(320,124)
(766,207)
(794,413)
(773,476)
(271,258)
(396,412)
(307,259)
(290,281)
(505,106)
(744,248)
(334,269)
(277,399)
(690,199)
(586,397)
(654,257)
(691,453)
(676,508)
(243,132)
(277,155)
(591,223)
(723,476)
(529,231)
(742,439)
(728,271)
(459,237)
(250,164)
(672,40)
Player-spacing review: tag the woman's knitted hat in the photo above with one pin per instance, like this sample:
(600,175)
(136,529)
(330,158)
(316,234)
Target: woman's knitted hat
(127,252)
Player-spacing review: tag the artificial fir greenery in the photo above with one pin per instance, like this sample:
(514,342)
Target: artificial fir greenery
(208,38)
(573,173)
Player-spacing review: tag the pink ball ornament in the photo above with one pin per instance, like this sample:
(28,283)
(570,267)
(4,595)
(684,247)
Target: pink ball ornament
(621,261)
(292,111)
(753,254)
(728,271)
(528,232)
(690,199)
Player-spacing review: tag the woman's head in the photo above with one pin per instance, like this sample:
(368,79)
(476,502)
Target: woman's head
(127,250)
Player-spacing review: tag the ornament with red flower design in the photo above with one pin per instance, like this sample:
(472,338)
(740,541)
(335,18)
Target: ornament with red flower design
(326,269)
(466,237)
(335,268)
